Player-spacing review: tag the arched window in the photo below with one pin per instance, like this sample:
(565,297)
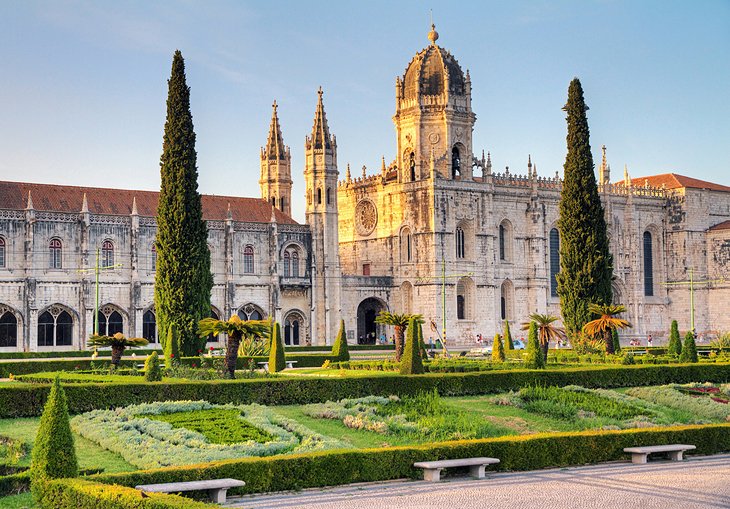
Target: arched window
(319,196)
(2,252)
(292,329)
(153,258)
(248,260)
(460,251)
(251,312)
(648,265)
(287,267)
(463,299)
(506,300)
(554,261)
(273,201)
(412,166)
(329,196)
(406,252)
(455,162)
(282,203)
(55,259)
(505,241)
(109,321)
(502,251)
(8,329)
(107,253)
(295,263)
(55,328)
(149,326)
(211,338)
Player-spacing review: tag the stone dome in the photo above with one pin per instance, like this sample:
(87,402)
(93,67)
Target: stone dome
(426,74)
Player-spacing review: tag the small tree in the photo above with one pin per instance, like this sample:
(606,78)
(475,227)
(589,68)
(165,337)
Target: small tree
(118,342)
(339,350)
(422,344)
(675,342)
(498,349)
(534,358)
(235,329)
(689,350)
(508,344)
(546,330)
(606,322)
(400,322)
(53,455)
(410,363)
(616,342)
(171,348)
(152,371)
(277,359)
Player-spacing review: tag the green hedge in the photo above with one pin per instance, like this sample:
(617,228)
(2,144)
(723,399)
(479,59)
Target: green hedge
(80,494)
(526,452)
(28,400)
(14,483)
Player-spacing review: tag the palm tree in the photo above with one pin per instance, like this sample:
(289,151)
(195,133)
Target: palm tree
(235,329)
(546,331)
(606,322)
(119,342)
(400,322)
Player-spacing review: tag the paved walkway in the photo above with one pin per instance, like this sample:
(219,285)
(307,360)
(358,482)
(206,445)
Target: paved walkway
(699,483)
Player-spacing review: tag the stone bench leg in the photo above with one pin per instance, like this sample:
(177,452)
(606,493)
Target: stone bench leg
(432,474)
(675,455)
(218,495)
(477,471)
(638,458)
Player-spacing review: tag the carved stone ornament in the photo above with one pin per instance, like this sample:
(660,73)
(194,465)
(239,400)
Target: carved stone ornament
(434,138)
(366,217)
(459,133)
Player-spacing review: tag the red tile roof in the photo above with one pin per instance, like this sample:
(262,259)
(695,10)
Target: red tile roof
(675,181)
(725,225)
(52,198)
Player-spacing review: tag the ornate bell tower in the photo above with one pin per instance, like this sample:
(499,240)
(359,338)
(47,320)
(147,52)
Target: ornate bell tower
(275,179)
(320,174)
(433,115)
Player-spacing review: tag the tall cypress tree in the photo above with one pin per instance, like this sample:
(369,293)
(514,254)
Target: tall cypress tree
(585,261)
(183,280)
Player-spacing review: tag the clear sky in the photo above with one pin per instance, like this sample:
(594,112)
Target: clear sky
(83,84)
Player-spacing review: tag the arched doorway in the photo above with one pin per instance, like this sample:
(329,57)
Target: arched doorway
(368,331)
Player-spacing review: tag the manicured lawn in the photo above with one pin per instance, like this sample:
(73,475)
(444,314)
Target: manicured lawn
(22,501)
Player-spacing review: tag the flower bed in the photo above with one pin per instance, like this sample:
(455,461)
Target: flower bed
(675,396)
(141,438)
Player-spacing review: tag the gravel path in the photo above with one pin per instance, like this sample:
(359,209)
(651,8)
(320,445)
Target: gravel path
(699,483)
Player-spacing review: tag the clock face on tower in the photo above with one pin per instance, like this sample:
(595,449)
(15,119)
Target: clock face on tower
(366,217)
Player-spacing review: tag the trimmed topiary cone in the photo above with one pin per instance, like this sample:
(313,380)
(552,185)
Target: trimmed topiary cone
(498,349)
(339,349)
(689,350)
(53,456)
(410,363)
(675,342)
(616,342)
(535,359)
(152,371)
(277,359)
(171,348)
(508,344)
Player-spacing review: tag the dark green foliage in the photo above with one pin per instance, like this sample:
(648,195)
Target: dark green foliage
(410,363)
(277,359)
(572,401)
(585,261)
(53,454)
(152,371)
(172,345)
(689,350)
(534,359)
(616,342)
(339,349)
(422,345)
(628,359)
(498,349)
(182,280)
(27,400)
(675,342)
(518,453)
(12,484)
(218,425)
(508,344)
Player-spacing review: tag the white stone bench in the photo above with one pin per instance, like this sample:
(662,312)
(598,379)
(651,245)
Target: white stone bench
(639,454)
(216,488)
(265,365)
(432,469)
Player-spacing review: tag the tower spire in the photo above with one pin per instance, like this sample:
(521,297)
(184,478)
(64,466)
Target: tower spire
(320,129)
(275,148)
(276,182)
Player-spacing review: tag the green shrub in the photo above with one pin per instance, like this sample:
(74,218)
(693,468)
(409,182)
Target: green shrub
(628,358)
(53,455)
(583,400)
(14,483)
(411,363)
(534,359)
(675,343)
(152,371)
(277,360)
(498,349)
(340,350)
(81,494)
(525,452)
(616,342)
(508,343)
(171,346)
(689,350)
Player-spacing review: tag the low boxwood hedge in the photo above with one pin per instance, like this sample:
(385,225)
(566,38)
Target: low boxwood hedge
(81,494)
(14,483)
(28,400)
(526,452)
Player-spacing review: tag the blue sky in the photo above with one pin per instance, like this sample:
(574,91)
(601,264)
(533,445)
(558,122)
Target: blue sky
(83,88)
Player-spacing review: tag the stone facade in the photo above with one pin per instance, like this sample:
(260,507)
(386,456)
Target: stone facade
(436,231)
